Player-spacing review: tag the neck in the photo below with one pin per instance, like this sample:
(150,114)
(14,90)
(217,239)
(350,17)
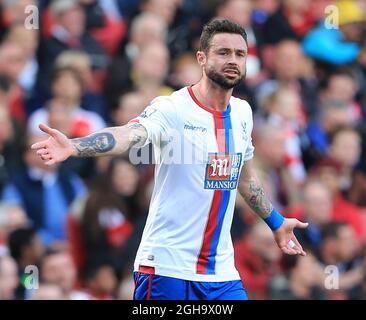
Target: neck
(211,95)
(286,82)
(25,261)
(71,102)
(329,257)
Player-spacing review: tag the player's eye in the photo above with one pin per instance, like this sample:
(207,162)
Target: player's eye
(223,53)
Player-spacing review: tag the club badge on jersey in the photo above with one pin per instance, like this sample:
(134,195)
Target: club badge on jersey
(222,171)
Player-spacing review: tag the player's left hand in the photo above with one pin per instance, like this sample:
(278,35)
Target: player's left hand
(286,239)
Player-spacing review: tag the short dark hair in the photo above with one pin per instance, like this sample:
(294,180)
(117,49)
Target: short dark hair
(340,129)
(50,252)
(20,239)
(331,230)
(4,83)
(219,26)
(338,72)
(94,264)
(58,72)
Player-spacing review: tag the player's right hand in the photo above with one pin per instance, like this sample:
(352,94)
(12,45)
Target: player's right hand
(56,148)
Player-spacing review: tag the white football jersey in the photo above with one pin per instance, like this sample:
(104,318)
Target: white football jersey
(199,154)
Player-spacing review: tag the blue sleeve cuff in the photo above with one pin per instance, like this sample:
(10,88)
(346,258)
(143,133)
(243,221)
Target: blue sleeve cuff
(274,220)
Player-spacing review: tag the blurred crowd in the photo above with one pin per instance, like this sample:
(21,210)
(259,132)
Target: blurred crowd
(97,63)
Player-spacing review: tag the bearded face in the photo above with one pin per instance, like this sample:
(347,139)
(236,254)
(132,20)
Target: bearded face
(226,78)
(225,60)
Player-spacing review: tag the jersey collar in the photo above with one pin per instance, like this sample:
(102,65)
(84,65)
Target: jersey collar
(215,113)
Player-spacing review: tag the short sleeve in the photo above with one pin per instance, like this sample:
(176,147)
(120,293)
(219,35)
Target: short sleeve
(249,153)
(158,118)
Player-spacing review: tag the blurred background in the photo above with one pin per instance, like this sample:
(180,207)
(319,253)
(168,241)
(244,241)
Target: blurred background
(93,63)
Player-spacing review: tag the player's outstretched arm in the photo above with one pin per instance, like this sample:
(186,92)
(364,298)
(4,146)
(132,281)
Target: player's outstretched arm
(252,191)
(109,141)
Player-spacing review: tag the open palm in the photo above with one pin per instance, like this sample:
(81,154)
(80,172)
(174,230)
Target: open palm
(56,148)
(284,237)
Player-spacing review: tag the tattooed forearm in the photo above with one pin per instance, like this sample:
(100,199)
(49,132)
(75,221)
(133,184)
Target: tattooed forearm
(110,141)
(94,144)
(254,195)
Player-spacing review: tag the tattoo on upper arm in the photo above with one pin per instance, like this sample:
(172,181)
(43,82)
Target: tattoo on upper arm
(138,134)
(94,144)
(256,199)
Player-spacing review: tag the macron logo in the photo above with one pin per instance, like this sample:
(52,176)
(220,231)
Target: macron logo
(194,128)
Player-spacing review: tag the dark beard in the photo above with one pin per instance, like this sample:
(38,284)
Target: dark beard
(221,80)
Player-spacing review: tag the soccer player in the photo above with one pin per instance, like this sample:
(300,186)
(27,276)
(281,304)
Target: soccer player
(186,251)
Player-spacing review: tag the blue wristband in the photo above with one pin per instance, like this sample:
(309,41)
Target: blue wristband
(274,220)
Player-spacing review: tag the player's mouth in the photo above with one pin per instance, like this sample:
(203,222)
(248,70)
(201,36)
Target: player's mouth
(231,72)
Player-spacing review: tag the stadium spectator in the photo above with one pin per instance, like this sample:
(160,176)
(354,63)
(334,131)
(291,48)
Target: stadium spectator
(329,171)
(345,147)
(302,280)
(292,20)
(286,69)
(130,105)
(283,109)
(11,140)
(149,71)
(145,29)
(48,291)
(340,44)
(8,278)
(108,223)
(28,40)
(257,260)
(262,10)
(11,218)
(331,115)
(68,88)
(185,71)
(57,268)
(340,248)
(165,9)
(45,194)
(316,208)
(342,86)
(100,280)
(92,99)
(13,11)
(13,60)
(111,27)
(68,33)
(282,188)
(27,249)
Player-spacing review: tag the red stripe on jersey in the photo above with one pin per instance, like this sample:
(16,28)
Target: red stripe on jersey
(209,232)
(215,205)
(220,134)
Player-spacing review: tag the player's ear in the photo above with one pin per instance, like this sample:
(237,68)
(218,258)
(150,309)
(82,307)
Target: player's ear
(201,58)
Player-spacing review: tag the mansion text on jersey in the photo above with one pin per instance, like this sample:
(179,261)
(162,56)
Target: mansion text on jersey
(220,185)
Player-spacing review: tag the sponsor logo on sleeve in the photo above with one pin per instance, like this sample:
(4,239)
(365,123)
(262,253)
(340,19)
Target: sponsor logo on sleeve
(148,112)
